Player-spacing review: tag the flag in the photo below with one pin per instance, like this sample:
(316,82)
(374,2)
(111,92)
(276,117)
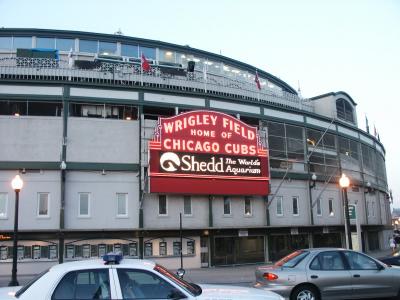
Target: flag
(257,81)
(145,64)
(366,123)
(375,132)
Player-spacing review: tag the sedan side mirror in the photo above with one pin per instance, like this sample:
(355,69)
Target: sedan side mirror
(180,272)
(380,267)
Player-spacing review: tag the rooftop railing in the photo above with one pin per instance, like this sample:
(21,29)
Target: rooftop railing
(131,74)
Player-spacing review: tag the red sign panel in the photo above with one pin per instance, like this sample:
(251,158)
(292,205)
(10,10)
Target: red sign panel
(206,152)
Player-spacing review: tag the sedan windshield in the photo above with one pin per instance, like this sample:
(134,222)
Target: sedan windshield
(292,259)
(29,284)
(192,288)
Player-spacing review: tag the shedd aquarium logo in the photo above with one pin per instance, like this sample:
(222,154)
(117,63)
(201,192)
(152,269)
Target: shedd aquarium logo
(198,164)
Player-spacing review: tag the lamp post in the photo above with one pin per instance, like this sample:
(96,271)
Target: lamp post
(16,184)
(344,183)
(311,186)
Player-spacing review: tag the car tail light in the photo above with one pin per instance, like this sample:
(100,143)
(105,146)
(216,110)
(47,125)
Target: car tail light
(270,276)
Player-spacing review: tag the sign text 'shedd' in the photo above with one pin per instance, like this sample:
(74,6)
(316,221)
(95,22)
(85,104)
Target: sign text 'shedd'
(206,152)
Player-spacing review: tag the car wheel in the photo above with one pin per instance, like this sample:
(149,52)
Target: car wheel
(305,292)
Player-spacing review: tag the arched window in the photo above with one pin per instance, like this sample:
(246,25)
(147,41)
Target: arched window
(344,110)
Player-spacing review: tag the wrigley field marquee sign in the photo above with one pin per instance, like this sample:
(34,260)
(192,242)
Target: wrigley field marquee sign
(206,152)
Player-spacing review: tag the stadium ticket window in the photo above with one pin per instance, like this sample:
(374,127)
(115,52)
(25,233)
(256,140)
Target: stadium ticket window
(282,245)
(327,240)
(238,250)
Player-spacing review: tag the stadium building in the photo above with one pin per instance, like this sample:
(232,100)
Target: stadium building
(119,140)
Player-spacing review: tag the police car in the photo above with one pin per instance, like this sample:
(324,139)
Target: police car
(117,278)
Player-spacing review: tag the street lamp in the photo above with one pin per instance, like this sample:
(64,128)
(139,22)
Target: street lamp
(344,183)
(313,180)
(16,184)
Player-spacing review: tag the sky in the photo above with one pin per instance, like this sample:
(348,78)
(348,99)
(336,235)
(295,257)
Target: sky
(323,46)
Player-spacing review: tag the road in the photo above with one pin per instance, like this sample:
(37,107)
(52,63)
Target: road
(235,275)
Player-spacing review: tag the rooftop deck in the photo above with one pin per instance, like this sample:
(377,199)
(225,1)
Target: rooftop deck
(131,75)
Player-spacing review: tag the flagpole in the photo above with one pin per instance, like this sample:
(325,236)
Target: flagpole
(141,74)
(205,76)
(257,81)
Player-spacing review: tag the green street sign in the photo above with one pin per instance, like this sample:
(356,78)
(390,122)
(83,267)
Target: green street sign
(352,212)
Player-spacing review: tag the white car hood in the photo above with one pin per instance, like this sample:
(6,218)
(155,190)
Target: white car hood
(227,292)
(8,292)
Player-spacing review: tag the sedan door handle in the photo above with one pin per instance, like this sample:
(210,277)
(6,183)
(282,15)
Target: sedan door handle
(314,276)
(356,275)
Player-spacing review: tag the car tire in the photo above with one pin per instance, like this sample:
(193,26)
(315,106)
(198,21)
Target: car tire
(305,292)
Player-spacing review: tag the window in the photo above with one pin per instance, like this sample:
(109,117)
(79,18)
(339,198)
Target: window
(84,284)
(176,247)
(84,205)
(358,261)
(65,44)
(102,250)
(227,206)
(53,253)
(94,250)
(292,259)
(247,206)
(348,148)
(149,53)
(141,284)
(344,110)
(122,205)
(148,249)
(295,204)
(36,252)
(319,211)
(22,42)
(190,247)
(107,48)
(330,207)
(373,209)
(88,46)
(86,251)
(43,205)
(162,205)
(48,43)
(3,205)
(104,111)
(327,261)
(187,205)
(133,249)
(129,50)
(3,252)
(279,205)
(5,43)
(69,251)
(166,56)
(163,248)
(78,251)
(20,252)
(286,143)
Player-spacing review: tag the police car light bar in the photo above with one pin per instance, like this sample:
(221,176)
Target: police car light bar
(112,258)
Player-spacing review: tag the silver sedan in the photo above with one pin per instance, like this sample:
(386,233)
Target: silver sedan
(329,273)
